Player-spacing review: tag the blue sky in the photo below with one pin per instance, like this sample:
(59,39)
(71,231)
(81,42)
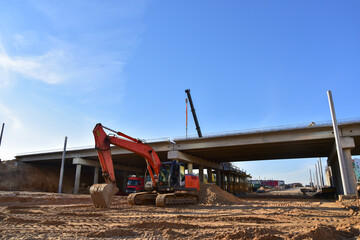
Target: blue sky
(65,66)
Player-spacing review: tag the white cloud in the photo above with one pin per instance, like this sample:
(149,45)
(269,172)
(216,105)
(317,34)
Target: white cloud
(46,68)
(20,40)
(81,56)
(8,116)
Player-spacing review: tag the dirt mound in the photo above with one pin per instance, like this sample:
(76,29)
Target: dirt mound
(322,232)
(25,177)
(213,194)
(253,233)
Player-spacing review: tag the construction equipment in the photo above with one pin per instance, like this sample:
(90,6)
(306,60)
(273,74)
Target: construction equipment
(135,184)
(194,113)
(168,185)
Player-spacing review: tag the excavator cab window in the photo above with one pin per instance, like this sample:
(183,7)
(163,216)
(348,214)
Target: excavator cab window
(175,174)
(164,175)
(182,175)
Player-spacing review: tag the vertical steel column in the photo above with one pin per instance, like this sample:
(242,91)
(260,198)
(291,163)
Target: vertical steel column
(2,130)
(314,178)
(317,178)
(321,173)
(62,167)
(338,144)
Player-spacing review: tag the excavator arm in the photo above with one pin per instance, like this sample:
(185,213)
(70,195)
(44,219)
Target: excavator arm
(102,194)
(102,145)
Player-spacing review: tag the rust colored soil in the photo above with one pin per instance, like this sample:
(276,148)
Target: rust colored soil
(25,215)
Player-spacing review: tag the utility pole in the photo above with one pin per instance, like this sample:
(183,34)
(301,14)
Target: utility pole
(311,183)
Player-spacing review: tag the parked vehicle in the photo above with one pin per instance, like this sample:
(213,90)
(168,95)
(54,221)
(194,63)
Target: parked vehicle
(135,184)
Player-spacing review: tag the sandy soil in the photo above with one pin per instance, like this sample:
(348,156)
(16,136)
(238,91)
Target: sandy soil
(26,215)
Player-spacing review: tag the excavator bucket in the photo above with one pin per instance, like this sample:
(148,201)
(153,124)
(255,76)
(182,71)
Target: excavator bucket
(102,194)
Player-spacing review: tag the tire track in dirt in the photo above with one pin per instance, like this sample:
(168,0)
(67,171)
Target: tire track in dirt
(250,219)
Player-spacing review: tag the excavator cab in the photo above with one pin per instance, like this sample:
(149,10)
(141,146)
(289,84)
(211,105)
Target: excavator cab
(164,174)
(171,176)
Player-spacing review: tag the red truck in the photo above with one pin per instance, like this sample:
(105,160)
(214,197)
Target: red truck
(135,184)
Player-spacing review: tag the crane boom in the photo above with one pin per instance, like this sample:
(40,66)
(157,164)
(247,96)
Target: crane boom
(194,113)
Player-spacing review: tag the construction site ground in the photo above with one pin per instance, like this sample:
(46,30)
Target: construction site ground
(219,215)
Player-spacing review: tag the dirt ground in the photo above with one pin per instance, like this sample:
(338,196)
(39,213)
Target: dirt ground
(32,215)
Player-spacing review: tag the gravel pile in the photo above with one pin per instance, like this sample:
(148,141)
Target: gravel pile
(213,194)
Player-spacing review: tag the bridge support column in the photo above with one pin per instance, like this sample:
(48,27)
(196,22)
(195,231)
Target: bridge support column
(218,177)
(209,175)
(347,144)
(349,171)
(229,183)
(335,172)
(96,175)
(201,174)
(223,183)
(77,179)
(190,168)
(328,176)
(237,183)
(125,178)
(234,184)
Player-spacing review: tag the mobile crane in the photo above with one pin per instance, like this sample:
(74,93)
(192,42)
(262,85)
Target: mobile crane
(169,185)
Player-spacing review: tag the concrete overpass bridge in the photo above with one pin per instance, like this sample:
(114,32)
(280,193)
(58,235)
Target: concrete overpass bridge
(212,151)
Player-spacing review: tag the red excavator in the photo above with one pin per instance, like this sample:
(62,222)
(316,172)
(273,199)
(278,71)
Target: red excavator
(168,185)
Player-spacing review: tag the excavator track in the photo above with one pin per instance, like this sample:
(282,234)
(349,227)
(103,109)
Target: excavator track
(171,199)
(142,198)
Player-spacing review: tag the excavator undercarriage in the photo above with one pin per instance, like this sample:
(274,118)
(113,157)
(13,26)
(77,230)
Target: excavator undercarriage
(162,199)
